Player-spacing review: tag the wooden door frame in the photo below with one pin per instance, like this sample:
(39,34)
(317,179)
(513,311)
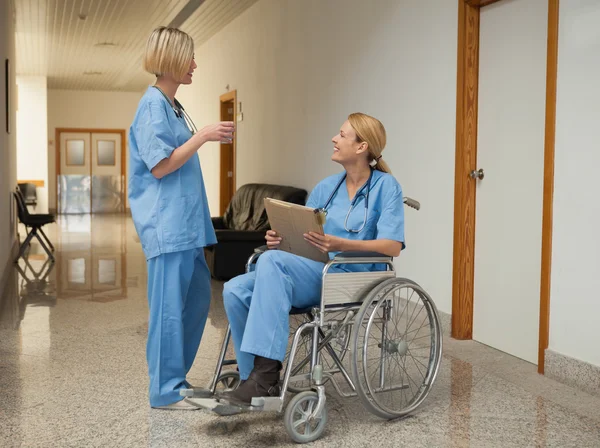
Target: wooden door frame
(224,202)
(59,131)
(466,161)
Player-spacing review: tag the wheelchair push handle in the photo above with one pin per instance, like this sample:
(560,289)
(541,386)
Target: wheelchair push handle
(412,203)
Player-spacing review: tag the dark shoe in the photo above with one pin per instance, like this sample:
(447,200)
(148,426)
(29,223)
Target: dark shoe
(262,382)
(241,381)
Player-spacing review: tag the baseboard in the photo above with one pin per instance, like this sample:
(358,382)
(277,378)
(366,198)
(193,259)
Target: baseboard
(446,319)
(572,372)
(52,211)
(7,270)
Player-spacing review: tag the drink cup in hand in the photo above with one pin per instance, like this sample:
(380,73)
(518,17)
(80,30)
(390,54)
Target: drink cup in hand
(219,132)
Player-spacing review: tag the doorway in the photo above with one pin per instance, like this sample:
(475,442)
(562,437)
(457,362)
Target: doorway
(90,171)
(504,173)
(228,110)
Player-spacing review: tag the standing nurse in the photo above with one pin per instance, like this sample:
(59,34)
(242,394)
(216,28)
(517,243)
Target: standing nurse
(170,212)
(365,212)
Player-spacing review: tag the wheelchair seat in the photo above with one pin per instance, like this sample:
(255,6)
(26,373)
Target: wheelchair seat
(296,311)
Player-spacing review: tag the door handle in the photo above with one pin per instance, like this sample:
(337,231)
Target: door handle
(477,174)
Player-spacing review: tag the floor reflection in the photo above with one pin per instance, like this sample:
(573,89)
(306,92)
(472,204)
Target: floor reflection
(36,283)
(92,264)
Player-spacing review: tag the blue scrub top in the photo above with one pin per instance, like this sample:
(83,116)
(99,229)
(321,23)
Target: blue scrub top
(170,214)
(385,215)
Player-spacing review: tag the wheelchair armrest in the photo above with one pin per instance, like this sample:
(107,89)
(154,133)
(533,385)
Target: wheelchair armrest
(254,257)
(357,254)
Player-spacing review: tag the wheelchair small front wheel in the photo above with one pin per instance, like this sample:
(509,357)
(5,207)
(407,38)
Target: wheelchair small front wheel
(300,423)
(228,381)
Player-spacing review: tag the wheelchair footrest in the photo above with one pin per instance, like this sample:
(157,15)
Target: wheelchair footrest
(267,404)
(220,408)
(223,407)
(196,392)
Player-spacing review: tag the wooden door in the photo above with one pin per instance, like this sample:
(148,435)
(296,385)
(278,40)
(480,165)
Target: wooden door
(227,171)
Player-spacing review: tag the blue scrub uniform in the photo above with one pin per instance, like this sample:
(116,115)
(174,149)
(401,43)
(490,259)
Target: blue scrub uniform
(258,303)
(172,219)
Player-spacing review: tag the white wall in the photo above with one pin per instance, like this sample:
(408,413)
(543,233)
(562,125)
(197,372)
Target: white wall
(86,109)
(301,67)
(575,292)
(32,134)
(8,159)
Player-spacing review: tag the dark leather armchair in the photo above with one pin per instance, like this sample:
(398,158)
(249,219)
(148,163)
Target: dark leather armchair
(242,228)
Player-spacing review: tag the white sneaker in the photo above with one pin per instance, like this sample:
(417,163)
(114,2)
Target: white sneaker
(183,405)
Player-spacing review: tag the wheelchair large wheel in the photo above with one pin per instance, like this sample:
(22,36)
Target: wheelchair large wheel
(396,348)
(339,346)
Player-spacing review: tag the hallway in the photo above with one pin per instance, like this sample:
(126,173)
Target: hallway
(73,370)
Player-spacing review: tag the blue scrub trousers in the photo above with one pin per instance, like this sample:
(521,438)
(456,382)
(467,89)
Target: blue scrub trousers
(258,304)
(179,299)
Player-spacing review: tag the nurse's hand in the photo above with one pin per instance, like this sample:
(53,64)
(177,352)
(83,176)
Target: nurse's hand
(273,240)
(218,132)
(325,243)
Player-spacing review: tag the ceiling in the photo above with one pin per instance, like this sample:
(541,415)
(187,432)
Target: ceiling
(103,49)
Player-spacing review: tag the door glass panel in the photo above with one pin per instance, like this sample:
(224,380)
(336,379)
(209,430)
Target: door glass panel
(106,153)
(75,152)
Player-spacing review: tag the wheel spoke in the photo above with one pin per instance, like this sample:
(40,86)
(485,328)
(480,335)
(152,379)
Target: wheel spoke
(414,359)
(411,322)
(422,337)
(299,422)
(425,322)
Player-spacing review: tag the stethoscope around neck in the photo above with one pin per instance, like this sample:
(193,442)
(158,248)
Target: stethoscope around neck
(180,112)
(363,191)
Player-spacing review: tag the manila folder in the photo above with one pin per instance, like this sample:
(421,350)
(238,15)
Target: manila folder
(291,222)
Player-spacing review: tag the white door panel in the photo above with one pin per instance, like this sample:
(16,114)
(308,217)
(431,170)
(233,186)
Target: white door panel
(74,184)
(510,150)
(107,183)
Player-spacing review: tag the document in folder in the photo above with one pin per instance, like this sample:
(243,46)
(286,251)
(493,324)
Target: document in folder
(291,222)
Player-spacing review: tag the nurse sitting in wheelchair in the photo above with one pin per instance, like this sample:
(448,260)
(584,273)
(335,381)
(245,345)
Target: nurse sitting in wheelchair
(365,212)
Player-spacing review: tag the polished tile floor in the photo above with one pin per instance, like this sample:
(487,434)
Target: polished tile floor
(73,370)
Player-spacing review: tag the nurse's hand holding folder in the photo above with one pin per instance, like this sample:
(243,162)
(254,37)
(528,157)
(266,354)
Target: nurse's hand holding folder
(325,243)
(273,240)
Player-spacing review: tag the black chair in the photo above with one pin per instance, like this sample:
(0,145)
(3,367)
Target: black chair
(242,228)
(35,222)
(29,193)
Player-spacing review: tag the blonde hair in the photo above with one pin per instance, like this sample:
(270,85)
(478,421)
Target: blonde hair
(168,51)
(370,130)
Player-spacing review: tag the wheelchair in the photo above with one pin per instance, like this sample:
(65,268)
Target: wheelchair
(374,335)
